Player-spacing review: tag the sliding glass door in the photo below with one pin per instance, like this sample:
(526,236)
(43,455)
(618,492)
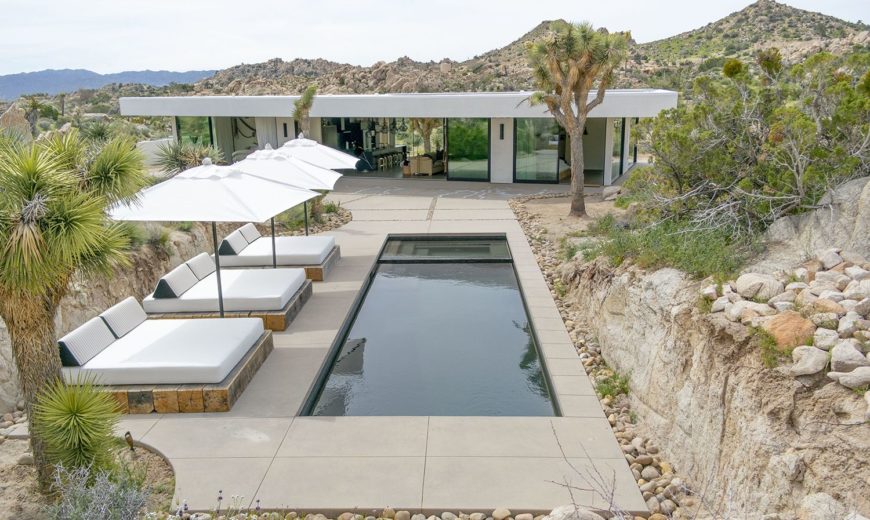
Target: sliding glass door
(468,149)
(536,150)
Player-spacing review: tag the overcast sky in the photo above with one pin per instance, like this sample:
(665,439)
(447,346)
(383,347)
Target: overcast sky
(115,35)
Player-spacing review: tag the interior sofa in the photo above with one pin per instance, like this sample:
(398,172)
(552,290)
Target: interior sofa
(427,164)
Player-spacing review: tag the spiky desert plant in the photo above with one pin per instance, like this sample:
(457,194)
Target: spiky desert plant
(569,63)
(175,156)
(77,424)
(302,109)
(54,197)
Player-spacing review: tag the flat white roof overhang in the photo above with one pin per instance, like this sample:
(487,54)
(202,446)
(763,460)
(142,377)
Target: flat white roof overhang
(617,103)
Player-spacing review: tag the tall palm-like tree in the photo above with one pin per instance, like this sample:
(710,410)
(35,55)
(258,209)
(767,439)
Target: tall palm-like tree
(569,63)
(302,109)
(54,196)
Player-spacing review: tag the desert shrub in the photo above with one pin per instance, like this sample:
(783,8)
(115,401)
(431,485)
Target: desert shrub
(97,131)
(158,238)
(330,207)
(673,244)
(76,423)
(613,385)
(184,226)
(567,249)
(771,355)
(135,233)
(175,156)
(86,494)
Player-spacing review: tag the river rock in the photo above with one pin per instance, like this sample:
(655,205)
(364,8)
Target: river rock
(26,459)
(857,273)
(719,304)
(825,339)
(403,515)
(760,286)
(500,513)
(845,356)
(826,305)
(787,296)
(650,473)
(808,361)
(572,512)
(790,329)
(824,319)
(848,324)
(446,515)
(829,257)
(783,306)
(709,292)
(862,308)
(860,377)
(524,516)
(805,298)
(838,280)
(857,289)
(388,512)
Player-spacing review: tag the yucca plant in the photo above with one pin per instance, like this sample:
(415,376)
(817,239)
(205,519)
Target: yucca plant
(302,109)
(176,156)
(77,424)
(54,196)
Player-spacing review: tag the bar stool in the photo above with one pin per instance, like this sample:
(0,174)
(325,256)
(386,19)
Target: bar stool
(382,163)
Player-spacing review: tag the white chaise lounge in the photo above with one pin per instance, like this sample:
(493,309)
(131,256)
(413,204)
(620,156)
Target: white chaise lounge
(245,247)
(190,290)
(122,347)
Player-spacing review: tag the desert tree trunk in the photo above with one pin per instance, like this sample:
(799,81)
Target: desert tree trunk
(578,181)
(427,140)
(30,322)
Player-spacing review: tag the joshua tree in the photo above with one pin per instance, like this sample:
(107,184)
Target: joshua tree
(425,125)
(566,64)
(54,196)
(302,109)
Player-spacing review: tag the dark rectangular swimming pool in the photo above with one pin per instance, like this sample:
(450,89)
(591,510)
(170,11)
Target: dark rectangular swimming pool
(441,329)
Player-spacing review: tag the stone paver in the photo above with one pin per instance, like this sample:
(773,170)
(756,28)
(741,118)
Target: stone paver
(261,450)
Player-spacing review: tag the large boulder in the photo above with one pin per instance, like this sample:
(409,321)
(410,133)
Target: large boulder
(14,122)
(758,286)
(790,329)
(843,221)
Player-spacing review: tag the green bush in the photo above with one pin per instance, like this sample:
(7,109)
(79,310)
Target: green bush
(330,207)
(669,244)
(175,157)
(613,385)
(135,233)
(77,424)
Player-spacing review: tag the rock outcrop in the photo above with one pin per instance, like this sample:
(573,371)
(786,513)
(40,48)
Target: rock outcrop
(752,439)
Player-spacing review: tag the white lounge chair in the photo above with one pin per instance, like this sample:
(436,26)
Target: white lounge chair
(122,347)
(190,290)
(245,247)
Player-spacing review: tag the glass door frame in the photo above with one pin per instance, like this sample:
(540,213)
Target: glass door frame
(488,153)
(530,181)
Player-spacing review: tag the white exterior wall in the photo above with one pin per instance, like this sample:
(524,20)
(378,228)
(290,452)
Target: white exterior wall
(279,129)
(626,148)
(150,148)
(501,150)
(316,133)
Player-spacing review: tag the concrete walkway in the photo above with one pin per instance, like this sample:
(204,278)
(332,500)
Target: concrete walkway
(262,450)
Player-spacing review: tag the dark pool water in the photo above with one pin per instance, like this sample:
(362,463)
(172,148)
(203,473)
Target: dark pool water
(443,338)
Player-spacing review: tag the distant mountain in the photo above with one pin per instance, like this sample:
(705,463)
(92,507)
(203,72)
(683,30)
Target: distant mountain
(53,81)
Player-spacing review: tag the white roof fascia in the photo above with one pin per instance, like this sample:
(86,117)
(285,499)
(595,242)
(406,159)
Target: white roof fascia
(617,103)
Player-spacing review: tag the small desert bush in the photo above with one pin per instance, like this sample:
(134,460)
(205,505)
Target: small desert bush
(330,207)
(669,244)
(175,157)
(76,423)
(85,494)
(613,385)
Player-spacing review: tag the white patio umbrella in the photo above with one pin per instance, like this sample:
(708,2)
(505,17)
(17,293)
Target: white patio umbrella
(315,153)
(211,193)
(273,165)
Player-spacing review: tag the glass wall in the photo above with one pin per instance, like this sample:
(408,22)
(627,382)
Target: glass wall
(536,149)
(468,149)
(618,147)
(196,130)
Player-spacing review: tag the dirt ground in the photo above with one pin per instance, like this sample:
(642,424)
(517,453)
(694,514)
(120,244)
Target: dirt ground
(20,498)
(553,216)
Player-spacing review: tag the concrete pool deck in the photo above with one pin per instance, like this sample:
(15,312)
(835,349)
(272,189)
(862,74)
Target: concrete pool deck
(261,450)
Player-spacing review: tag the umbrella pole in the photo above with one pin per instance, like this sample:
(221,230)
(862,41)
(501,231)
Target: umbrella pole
(305,211)
(217,262)
(274,255)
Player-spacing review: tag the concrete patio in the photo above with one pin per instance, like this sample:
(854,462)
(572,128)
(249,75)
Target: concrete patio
(263,450)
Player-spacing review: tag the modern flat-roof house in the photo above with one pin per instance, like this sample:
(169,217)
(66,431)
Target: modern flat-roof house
(496,137)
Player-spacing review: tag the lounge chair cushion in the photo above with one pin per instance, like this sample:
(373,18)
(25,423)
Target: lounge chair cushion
(202,265)
(175,283)
(243,289)
(234,244)
(173,352)
(124,317)
(84,343)
(311,250)
(250,232)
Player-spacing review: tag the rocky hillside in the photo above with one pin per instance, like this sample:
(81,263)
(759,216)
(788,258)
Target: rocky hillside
(667,63)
